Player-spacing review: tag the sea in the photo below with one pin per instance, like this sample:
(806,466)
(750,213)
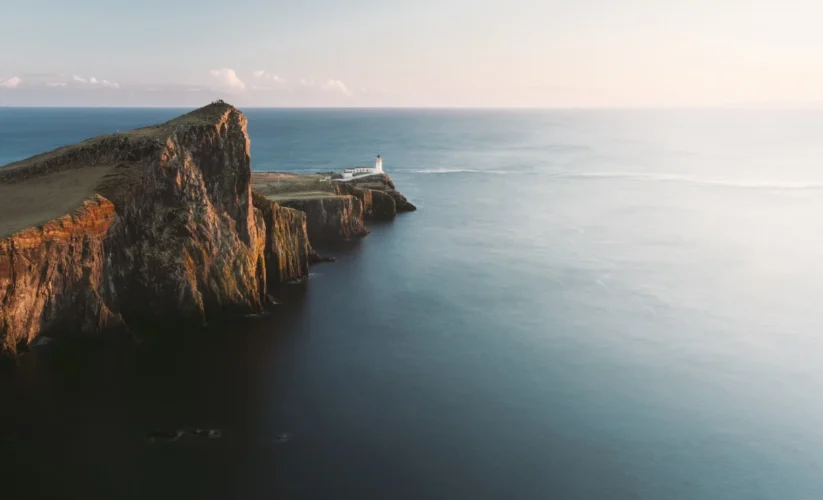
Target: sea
(588,304)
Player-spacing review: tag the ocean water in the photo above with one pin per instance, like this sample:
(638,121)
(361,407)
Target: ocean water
(599,304)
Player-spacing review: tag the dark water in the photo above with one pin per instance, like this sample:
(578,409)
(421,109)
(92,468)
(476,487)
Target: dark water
(588,305)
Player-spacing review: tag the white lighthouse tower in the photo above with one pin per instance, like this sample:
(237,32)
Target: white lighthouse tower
(350,173)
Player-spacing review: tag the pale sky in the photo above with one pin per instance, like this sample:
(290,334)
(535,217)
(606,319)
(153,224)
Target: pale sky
(541,53)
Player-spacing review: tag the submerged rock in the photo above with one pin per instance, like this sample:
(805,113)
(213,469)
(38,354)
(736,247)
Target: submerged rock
(283,437)
(205,433)
(41,342)
(169,436)
(164,436)
(316,259)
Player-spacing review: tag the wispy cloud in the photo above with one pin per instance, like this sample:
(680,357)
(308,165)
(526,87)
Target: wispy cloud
(228,79)
(268,81)
(269,77)
(56,84)
(11,83)
(92,81)
(333,85)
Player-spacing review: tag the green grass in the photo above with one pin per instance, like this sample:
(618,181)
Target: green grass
(304,195)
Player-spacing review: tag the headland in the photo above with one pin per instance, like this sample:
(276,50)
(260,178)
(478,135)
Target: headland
(163,225)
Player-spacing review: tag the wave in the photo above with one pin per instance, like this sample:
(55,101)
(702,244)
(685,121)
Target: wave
(648,177)
(460,171)
(735,183)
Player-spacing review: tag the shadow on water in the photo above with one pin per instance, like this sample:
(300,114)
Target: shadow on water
(77,417)
(112,419)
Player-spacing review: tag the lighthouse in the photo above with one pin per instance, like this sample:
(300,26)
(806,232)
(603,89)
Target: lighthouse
(349,173)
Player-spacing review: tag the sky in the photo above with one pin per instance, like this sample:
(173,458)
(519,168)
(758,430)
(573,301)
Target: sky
(421,53)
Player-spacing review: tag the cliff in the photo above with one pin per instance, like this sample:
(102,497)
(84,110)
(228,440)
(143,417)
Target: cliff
(159,226)
(335,211)
(330,218)
(378,205)
(288,252)
(161,229)
(383,183)
(55,275)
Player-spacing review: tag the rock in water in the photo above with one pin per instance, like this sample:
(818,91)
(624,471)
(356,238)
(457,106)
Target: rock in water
(164,436)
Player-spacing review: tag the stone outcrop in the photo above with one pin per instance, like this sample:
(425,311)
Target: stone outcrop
(170,235)
(382,182)
(336,209)
(287,248)
(379,203)
(364,195)
(383,206)
(330,218)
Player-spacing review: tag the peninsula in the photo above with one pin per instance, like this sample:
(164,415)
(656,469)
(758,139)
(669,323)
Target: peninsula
(163,225)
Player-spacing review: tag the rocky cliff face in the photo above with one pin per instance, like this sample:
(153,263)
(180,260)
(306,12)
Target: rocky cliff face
(364,195)
(330,218)
(159,226)
(384,206)
(383,183)
(55,277)
(287,248)
(378,203)
(170,234)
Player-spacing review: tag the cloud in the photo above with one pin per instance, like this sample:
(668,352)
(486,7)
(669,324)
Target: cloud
(269,81)
(228,79)
(269,77)
(92,81)
(56,84)
(333,85)
(11,83)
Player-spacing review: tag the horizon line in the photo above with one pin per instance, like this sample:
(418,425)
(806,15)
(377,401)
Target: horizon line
(736,106)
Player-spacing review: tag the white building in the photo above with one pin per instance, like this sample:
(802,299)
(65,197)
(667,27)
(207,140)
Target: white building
(363,171)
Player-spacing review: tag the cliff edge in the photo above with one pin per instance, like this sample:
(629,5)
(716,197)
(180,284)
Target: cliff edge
(335,211)
(152,225)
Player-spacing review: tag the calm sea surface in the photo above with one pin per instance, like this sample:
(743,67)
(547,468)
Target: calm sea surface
(598,305)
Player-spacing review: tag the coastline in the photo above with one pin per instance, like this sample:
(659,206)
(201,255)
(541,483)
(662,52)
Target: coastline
(167,226)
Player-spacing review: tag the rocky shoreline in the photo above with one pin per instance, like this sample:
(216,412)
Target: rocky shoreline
(163,225)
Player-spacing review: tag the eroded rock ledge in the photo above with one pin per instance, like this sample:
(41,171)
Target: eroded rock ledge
(159,225)
(335,211)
